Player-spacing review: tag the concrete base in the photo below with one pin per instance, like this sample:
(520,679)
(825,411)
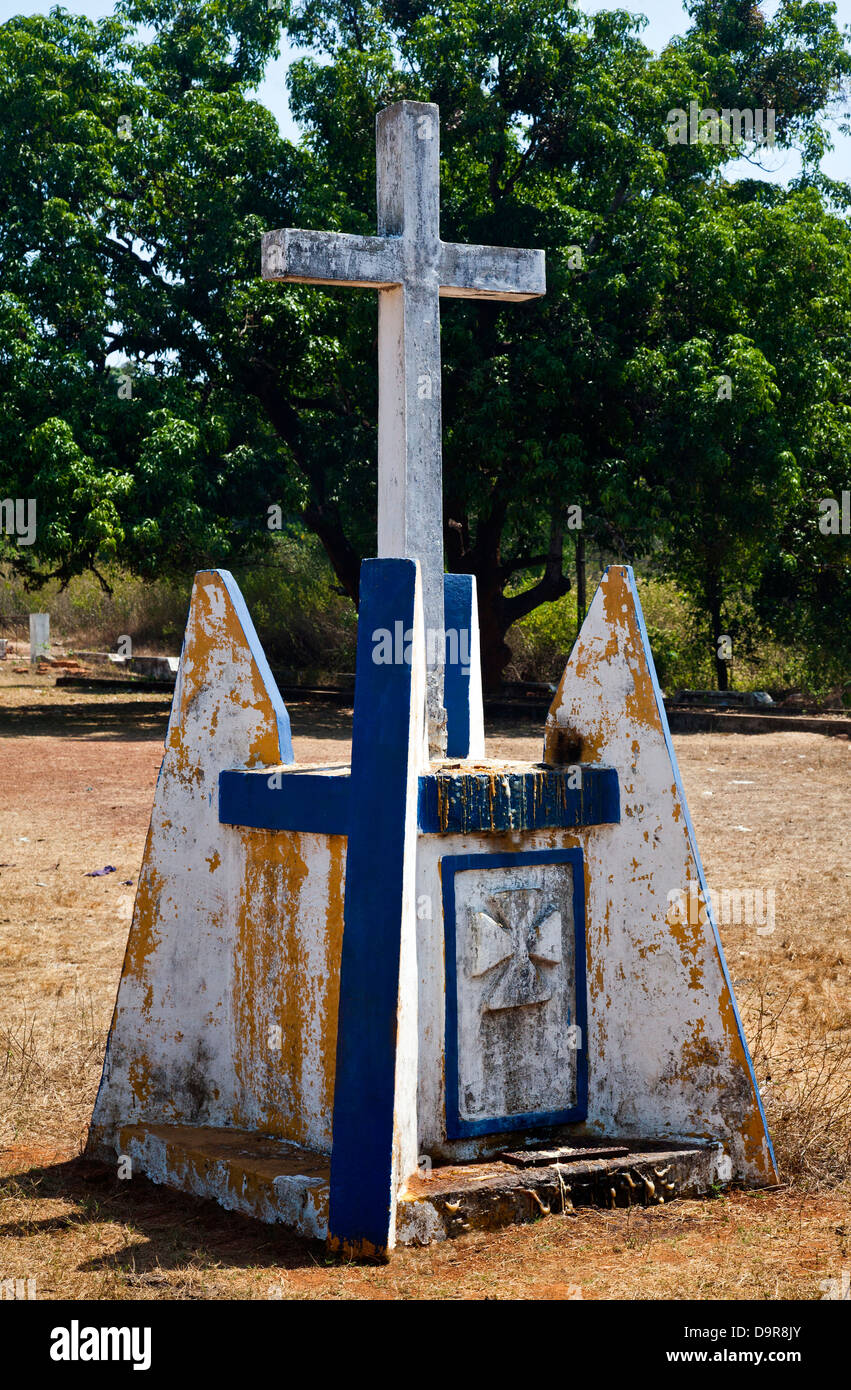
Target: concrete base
(277,1182)
(485,1196)
(260,1176)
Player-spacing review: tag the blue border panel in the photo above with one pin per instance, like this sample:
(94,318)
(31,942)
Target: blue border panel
(457,617)
(364,1089)
(660,704)
(452,864)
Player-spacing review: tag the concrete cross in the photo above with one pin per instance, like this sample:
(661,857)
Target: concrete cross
(411,268)
(524,931)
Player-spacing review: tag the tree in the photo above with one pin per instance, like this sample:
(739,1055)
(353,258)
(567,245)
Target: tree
(126,217)
(746,404)
(553,134)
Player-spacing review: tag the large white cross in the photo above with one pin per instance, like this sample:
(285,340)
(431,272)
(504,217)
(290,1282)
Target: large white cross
(411,268)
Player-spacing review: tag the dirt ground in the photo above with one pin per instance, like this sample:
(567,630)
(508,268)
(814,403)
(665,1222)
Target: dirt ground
(77,777)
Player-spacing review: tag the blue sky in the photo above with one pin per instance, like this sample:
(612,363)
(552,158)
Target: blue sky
(665,17)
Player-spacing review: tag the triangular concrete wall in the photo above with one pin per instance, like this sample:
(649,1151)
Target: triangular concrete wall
(226,1012)
(667,1054)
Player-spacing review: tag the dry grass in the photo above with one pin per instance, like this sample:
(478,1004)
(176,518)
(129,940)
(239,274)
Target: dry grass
(83,615)
(78,783)
(82,1236)
(804,1073)
(46,1072)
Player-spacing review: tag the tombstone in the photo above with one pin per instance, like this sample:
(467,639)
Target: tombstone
(39,637)
(427,992)
(161,668)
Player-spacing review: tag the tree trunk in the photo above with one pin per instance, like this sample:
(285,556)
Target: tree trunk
(495,651)
(722,674)
(581,599)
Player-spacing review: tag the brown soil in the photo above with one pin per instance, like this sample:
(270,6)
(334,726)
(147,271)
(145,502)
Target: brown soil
(77,773)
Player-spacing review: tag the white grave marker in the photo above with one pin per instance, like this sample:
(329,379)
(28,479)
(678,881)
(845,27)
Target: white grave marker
(39,637)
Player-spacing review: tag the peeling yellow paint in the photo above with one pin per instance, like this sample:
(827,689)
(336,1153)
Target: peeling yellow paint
(286,986)
(141,1082)
(143,938)
(585,708)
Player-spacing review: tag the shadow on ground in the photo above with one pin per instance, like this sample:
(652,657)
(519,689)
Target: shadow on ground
(132,719)
(98,717)
(141,720)
(179,1230)
(313,719)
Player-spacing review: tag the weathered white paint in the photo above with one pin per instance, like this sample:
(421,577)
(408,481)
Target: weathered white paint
(665,1058)
(477,708)
(226,1010)
(432,973)
(411,268)
(298,1200)
(665,1051)
(405,1150)
(418,1223)
(226,1013)
(39,636)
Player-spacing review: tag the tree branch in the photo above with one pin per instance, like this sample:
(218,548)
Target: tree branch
(554,583)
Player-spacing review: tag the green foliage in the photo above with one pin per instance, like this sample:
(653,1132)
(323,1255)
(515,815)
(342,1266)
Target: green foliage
(305,623)
(137,175)
(84,616)
(307,627)
(112,245)
(541,642)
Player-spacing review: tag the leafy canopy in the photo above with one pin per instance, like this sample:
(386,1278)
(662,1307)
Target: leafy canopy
(137,173)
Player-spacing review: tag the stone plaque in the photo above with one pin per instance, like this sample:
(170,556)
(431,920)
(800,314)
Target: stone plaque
(514,1031)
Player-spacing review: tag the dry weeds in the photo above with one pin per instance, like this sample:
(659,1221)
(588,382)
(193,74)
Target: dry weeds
(78,777)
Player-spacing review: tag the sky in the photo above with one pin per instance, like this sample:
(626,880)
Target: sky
(665,18)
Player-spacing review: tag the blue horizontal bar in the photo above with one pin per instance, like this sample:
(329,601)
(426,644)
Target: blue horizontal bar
(285,800)
(541,798)
(451,802)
